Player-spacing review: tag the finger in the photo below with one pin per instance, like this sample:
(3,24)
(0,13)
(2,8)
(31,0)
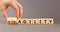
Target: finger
(20,5)
(15,7)
(4,11)
(20,8)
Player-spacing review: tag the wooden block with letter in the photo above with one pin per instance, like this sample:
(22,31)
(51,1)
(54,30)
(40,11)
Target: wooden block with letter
(11,20)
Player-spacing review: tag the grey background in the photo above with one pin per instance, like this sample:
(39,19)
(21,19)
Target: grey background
(34,9)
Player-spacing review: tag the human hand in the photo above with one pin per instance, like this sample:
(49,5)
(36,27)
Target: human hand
(15,5)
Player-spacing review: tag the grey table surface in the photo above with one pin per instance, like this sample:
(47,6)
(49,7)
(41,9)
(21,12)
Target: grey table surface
(29,28)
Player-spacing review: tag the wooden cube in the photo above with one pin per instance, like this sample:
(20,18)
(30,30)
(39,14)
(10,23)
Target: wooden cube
(11,20)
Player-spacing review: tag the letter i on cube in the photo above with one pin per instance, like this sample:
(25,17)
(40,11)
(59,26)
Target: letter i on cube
(11,20)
